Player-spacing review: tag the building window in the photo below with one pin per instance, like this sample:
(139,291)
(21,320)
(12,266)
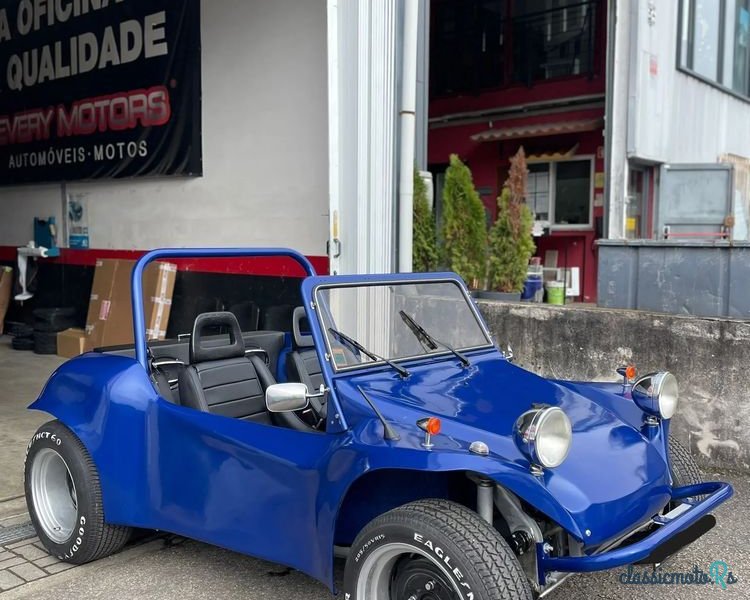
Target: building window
(490,44)
(559,193)
(537,191)
(552,38)
(714,41)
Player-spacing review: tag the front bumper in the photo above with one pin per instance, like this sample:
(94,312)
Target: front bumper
(672,534)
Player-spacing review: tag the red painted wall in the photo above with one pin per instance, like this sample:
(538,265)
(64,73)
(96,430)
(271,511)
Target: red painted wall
(249,266)
(489,163)
(487,159)
(518,95)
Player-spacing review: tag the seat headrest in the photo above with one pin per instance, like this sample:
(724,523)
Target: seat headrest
(301,340)
(202,353)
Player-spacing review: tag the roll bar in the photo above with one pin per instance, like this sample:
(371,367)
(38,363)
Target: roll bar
(139,324)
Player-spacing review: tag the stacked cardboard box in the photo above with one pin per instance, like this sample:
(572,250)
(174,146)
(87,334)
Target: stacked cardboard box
(71,342)
(110,317)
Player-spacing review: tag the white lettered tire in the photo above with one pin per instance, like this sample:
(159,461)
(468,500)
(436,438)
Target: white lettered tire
(433,548)
(64,498)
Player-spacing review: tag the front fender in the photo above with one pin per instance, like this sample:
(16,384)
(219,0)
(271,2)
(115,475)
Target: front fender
(390,456)
(104,400)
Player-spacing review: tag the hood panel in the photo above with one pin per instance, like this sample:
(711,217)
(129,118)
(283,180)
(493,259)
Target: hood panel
(613,479)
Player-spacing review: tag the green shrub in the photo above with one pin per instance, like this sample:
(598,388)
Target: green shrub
(511,245)
(464,243)
(424,252)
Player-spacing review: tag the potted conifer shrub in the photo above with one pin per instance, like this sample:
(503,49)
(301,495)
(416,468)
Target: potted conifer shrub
(464,228)
(511,243)
(424,251)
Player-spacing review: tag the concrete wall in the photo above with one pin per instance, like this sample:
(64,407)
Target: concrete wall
(709,357)
(265,143)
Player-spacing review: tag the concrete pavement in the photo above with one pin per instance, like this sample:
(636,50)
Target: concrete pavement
(22,375)
(168,567)
(161,570)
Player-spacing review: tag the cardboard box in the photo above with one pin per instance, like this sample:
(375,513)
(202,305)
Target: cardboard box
(110,317)
(71,342)
(6,288)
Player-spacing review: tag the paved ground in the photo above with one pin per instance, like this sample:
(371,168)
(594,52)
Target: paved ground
(167,567)
(22,375)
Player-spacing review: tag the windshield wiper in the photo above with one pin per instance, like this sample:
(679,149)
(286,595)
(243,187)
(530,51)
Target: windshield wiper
(430,342)
(356,345)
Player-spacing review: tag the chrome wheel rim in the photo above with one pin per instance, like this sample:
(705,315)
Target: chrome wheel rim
(379,576)
(54,495)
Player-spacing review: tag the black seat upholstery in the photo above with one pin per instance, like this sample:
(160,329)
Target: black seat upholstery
(303,364)
(221,379)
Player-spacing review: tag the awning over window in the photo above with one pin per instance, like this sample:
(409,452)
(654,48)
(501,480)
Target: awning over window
(538,130)
(553,156)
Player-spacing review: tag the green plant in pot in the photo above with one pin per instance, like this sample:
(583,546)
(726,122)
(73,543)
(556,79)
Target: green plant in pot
(424,251)
(511,243)
(464,229)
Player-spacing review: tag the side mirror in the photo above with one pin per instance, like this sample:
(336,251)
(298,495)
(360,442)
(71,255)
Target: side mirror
(286,397)
(508,354)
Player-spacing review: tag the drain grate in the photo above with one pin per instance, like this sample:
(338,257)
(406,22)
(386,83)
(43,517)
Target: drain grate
(16,533)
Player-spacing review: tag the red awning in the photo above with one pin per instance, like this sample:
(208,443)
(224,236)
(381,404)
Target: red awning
(538,130)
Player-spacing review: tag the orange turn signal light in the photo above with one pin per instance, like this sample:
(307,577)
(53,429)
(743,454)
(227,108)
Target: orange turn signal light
(429,425)
(630,372)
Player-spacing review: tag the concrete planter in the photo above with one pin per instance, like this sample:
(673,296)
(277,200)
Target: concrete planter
(497,296)
(706,279)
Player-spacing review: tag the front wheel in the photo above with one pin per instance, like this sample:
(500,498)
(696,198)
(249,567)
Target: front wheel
(64,498)
(685,471)
(432,549)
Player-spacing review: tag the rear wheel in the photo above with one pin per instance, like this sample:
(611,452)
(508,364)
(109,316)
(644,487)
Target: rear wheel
(64,498)
(432,550)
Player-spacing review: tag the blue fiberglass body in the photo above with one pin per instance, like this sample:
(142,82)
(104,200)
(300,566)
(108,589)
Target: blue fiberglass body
(284,495)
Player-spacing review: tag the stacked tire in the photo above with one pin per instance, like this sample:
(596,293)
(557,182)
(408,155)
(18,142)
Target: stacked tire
(48,322)
(23,336)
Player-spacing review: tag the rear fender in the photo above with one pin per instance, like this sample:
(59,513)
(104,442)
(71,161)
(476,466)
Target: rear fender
(104,400)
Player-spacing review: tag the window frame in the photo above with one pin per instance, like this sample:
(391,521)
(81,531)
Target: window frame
(377,281)
(687,68)
(553,192)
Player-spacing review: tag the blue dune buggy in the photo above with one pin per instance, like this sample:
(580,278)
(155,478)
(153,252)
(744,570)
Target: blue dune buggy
(386,427)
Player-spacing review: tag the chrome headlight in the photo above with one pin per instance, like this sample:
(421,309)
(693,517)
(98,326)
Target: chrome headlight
(657,394)
(544,435)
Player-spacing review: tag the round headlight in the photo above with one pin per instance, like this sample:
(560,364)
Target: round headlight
(657,394)
(545,435)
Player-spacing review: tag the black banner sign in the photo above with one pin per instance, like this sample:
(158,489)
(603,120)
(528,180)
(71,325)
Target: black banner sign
(93,89)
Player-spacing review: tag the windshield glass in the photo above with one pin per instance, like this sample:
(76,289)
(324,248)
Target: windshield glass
(396,320)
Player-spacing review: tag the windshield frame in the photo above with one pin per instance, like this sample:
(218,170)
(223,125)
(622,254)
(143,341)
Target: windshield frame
(375,281)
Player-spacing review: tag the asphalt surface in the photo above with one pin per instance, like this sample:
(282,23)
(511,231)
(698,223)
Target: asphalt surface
(163,568)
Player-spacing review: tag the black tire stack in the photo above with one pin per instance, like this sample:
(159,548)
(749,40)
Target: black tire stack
(48,322)
(23,336)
